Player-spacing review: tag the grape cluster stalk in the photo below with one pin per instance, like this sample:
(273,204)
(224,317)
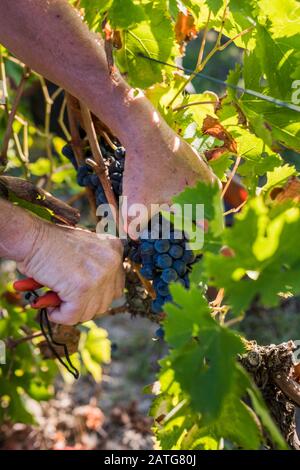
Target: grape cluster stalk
(161,260)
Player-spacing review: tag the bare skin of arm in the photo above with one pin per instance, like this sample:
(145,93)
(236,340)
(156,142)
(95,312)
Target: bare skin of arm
(85,272)
(50,37)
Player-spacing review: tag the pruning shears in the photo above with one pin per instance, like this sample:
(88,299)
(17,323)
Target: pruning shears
(41,303)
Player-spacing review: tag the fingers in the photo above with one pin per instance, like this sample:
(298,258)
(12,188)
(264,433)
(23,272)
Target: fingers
(66,314)
(25,285)
(50,299)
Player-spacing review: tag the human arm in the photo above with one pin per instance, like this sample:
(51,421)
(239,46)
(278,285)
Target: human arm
(84,271)
(50,37)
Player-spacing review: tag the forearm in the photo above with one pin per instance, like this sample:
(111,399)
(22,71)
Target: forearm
(51,38)
(18,230)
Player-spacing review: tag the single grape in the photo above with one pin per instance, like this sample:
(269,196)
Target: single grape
(162,288)
(147,248)
(115,167)
(163,261)
(147,271)
(169,275)
(180,267)
(94,180)
(83,175)
(147,259)
(120,153)
(157,305)
(176,251)
(116,177)
(160,333)
(162,246)
(188,257)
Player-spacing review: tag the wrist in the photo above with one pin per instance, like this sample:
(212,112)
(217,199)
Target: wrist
(19,231)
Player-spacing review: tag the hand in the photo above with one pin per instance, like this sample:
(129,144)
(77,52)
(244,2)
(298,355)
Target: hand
(86,273)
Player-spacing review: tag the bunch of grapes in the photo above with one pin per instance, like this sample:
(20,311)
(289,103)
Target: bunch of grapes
(114,161)
(162,260)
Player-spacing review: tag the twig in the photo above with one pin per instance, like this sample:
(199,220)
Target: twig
(76,197)
(109,141)
(198,64)
(195,103)
(11,117)
(242,33)
(219,299)
(48,137)
(99,165)
(13,343)
(76,143)
(289,387)
(27,191)
(61,119)
(203,42)
(233,172)
(217,47)
(235,209)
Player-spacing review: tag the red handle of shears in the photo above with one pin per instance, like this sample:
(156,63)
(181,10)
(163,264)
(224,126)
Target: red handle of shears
(49,299)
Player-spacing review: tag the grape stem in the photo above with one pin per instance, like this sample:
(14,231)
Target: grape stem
(98,162)
(147,284)
(11,117)
(76,144)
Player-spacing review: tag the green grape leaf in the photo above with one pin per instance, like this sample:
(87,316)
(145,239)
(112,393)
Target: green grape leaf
(209,196)
(93,11)
(265,261)
(205,352)
(125,13)
(279,177)
(153,37)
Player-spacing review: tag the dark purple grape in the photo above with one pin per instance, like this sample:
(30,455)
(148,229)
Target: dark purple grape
(162,288)
(67,151)
(163,261)
(147,248)
(176,251)
(160,333)
(188,256)
(162,246)
(116,177)
(157,305)
(147,271)
(180,267)
(169,275)
(147,259)
(83,175)
(120,153)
